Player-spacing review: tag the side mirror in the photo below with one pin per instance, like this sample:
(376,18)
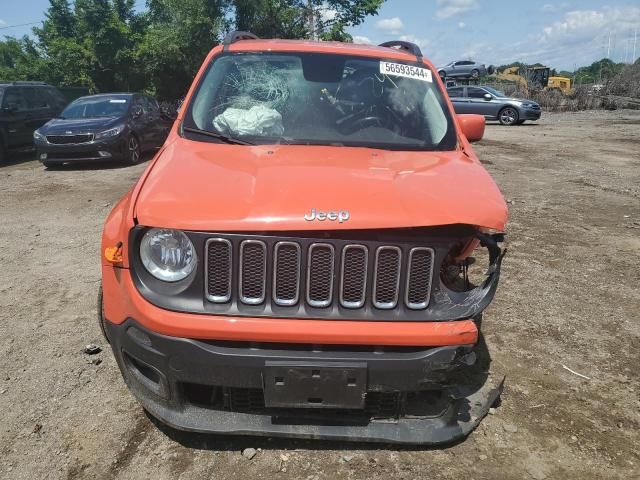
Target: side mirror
(487,96)
(472,126)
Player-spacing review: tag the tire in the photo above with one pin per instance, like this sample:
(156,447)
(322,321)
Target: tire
(134,151)
(475,73)
(442,74)
(101,319)
(508,116)
(51,165)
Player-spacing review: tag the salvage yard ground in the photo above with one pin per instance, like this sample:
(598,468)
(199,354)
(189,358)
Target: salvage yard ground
(569,296)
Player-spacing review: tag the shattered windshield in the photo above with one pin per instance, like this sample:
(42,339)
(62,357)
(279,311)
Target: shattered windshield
(319,99)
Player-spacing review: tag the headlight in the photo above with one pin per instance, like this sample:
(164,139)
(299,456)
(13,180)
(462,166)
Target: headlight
(39,137)
(167,254)
(109,133)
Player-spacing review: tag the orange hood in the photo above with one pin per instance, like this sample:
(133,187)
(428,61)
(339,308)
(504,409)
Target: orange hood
(218,187)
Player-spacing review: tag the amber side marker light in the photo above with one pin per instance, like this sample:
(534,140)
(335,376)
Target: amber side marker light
(114,254)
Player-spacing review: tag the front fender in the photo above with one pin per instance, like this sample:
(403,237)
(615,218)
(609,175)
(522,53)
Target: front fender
(116,229)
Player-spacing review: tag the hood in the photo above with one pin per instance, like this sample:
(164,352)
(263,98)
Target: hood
(215,187)
(79,125)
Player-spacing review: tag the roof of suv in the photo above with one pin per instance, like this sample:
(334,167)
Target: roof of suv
(340,48)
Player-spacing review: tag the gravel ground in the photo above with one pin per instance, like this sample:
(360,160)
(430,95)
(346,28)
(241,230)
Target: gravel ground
(569,297)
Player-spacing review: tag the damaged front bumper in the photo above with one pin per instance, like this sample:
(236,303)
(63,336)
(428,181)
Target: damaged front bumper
(413,395)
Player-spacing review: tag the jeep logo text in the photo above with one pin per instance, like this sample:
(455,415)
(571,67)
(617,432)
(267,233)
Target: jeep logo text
(341,216)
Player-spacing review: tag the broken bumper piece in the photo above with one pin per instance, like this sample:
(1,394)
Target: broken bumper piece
(424,396)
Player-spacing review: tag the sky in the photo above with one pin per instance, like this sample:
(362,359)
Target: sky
(560,34)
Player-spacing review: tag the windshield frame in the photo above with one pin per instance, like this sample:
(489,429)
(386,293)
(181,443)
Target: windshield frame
(129,100)
(451,134)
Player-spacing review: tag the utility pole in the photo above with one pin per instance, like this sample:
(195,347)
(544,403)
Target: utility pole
(635,38)
(609,46)
(312,20)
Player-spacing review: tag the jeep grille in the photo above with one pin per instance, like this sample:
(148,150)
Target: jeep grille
(284,272)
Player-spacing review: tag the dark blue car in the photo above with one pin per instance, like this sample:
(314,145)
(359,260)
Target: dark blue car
(101,127)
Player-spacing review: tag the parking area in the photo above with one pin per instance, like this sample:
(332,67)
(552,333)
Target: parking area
(564,328)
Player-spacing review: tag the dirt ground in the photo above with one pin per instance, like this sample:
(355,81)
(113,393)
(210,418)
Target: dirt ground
(569,296)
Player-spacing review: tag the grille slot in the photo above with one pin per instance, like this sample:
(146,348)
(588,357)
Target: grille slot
(320,266)
(386,279)
(70,139)
(253,271)
(286,273)
(353,288)
(419,273)
(218,271)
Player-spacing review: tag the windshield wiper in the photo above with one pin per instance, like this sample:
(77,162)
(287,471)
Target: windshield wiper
(218,136)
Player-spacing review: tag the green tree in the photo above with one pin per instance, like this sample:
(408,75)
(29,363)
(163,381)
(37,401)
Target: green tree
(180,34)
(323,19)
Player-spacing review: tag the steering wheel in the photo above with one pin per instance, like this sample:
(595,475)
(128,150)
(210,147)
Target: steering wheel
(351,124)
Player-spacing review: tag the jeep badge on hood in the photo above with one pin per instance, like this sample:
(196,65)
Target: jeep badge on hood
(341,216)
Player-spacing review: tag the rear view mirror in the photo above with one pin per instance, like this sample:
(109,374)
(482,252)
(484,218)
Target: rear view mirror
(488,96)
(472,126)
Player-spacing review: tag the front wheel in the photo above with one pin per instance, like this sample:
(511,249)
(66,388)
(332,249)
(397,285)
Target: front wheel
(508,116)
(134,152)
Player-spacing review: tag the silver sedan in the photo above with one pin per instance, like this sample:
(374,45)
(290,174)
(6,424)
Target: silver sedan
(463,69)
(493,104)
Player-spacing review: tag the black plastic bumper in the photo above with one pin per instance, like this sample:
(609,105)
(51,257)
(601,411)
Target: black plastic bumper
(527,114)
(161,372)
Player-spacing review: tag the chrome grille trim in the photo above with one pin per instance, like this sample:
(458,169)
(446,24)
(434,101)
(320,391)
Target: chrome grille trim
(325,302)
(282,301)
(421,305)
(218,298)
(359,303)
(394,302)
(246,299)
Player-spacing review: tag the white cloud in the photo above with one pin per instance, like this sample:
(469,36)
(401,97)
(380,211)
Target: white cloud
(451,8)
(588,25)
(423,43)
(554,7)
(2,23)
(461,24)
(362,40)
(327,14)
(391,25)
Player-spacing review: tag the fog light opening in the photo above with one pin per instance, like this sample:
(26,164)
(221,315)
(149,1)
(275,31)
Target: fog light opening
(104,154)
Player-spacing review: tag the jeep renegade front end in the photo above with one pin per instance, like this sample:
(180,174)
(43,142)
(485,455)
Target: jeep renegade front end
(294,261)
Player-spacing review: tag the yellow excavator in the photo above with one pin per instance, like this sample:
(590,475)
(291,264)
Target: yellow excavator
(535,79)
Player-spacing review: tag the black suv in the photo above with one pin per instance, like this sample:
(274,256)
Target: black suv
(24,107)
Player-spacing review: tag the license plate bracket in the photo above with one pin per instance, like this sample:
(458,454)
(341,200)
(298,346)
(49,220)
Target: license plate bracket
(340,385)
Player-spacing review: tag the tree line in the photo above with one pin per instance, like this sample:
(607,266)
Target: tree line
(107,46)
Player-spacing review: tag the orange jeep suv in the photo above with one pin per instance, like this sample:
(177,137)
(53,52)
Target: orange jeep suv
(295,261)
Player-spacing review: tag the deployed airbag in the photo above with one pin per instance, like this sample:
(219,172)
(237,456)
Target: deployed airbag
(259,120)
